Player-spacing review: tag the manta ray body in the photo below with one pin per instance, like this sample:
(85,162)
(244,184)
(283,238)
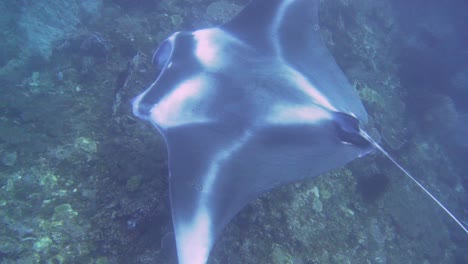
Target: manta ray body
(245,107)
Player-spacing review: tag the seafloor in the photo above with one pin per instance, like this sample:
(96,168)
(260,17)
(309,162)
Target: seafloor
(83,181)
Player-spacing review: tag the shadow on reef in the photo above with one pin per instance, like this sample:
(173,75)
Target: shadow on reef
(372,187)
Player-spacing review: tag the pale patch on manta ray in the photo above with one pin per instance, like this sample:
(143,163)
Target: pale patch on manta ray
(276,25)
(221,157)
(182,105)
(211,46)
(290,114)
(137,103)
(195,237)
(310,90)
(297,77)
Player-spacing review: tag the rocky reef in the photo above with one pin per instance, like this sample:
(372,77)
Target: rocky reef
(82,181)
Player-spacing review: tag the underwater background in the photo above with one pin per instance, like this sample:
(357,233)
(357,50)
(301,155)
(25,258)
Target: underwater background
(83,181)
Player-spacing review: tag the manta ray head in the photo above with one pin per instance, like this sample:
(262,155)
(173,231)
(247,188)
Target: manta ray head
(176,97)
(190,64)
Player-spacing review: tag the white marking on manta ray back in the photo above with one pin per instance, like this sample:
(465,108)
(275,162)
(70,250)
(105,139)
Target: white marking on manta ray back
(276,24)
(196,238)
(288,114)
(136,104)
(296,76)
(211,45)
(222,156)
(194,242)
(182,105)
(310,90)
(137,100)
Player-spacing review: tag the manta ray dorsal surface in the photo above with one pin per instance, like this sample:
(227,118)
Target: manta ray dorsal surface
(245,107)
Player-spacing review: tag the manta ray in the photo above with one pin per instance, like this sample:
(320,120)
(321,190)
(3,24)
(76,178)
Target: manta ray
(245,107)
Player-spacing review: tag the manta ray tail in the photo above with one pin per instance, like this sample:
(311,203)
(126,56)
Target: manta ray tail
(377,146)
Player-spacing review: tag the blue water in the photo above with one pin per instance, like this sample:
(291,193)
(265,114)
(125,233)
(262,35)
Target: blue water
(83,181)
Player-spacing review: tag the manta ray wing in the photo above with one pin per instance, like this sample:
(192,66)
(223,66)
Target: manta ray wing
(242,111)
(290,30)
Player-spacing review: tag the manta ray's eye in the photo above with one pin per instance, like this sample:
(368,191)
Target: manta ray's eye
(162,54)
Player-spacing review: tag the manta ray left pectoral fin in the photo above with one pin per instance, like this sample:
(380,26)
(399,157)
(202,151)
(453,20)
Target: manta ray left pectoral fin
(196,155)
(216,170)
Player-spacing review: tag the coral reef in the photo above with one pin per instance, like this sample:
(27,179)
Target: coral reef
(81,181)
(46,23)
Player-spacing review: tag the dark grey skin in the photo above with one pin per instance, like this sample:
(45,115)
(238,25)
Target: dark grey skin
(245,107)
